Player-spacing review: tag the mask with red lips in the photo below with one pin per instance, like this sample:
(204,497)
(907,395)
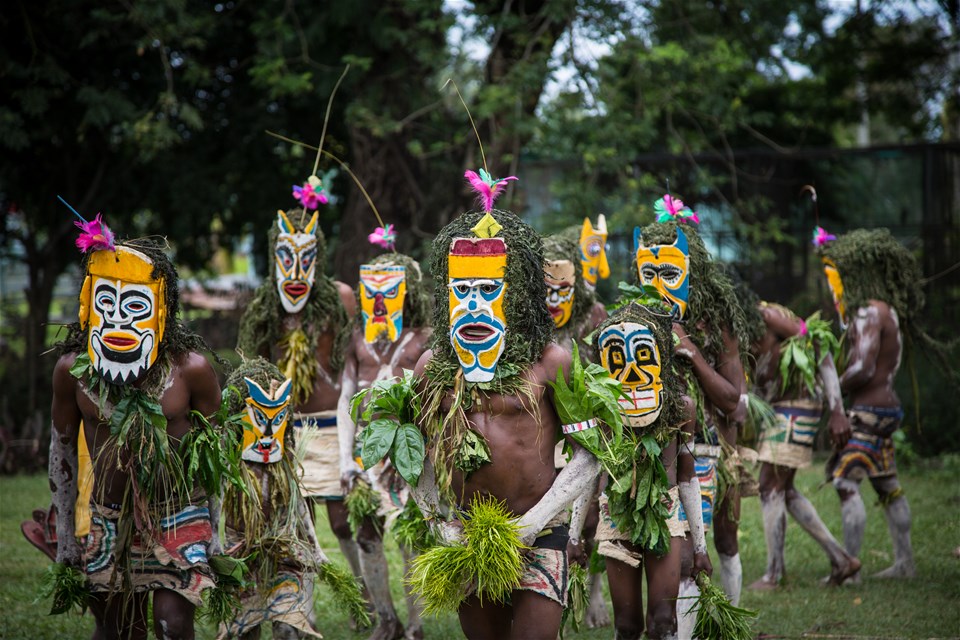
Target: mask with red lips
(295,262)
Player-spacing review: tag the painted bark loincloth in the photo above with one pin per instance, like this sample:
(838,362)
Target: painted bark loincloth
(789,441)
(705,457)
(176,559)
(615,543)
(321,460)
(287,598)
(870,452)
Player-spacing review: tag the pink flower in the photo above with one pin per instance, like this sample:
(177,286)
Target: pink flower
(821,237)
(310,197)
(94,235)
(803,327)
(384,237)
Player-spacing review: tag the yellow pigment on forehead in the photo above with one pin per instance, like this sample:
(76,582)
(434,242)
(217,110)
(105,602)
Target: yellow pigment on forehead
(125,264)
(477,266)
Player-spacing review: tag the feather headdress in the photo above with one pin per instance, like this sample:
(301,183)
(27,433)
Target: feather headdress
(95,235)
(821,237)
(385,236)
(669,208)
(487,187)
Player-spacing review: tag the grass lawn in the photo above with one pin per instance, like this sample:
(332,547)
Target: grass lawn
(926,607)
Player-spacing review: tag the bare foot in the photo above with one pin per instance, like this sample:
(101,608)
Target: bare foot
(414,633)
(388,629)
(764,584)
(902,570)
(840,574)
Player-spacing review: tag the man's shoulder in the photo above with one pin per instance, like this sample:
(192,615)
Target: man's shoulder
(553,358)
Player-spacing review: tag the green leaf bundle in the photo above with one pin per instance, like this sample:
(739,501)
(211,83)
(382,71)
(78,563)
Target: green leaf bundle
(717,619)
(411,530)
(362,502)
(391,411)
(346,591)
(489,561)
(799,358)
(638,492)
(578,598)
(67,586)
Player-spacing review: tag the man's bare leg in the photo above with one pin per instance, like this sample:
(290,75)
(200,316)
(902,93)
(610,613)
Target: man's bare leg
(492,621)
(119,618)
(340,525)
(726,518)
(842,564)
(414,608)
(535,617)
(773,482)
(663,586)
(597,615)
(689,591)
(376,576)
(626,593)
(897,511)
(853,515)
(172,616)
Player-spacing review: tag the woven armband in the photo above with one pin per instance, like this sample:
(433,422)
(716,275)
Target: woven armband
(579,426)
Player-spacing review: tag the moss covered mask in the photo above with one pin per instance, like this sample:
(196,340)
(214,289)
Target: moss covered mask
(296,260)
(265,421)
(665,267)
(593,252)
(123,308)
(383,288)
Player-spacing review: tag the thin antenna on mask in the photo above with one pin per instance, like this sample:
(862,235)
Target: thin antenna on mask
(470,116)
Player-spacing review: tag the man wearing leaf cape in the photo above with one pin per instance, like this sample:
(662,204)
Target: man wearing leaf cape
(267,516)
(875,283)
(671,256)
(129,379)
(300,320)
(651,472)
(795,373)
(390,335)
(490,423)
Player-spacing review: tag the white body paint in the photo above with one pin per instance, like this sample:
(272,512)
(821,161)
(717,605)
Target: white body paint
(731,576)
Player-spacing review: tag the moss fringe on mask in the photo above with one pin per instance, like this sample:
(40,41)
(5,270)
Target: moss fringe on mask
(712,298)
(262,325)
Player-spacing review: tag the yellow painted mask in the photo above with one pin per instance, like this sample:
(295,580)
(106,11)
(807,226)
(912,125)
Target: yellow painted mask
(296,258)
(836,289)
(560,276)
(265,422)
(125,311)
(593,252)
(666,267)
(630,353)
(383,288)
(478,323)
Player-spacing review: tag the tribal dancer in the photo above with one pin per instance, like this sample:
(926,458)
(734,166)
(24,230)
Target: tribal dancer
(301,320)
(576,312)
(391,335)
(488,410)
(269,522)
(135,519)
(875,284)
(804,350)
(636,346)
(710,327)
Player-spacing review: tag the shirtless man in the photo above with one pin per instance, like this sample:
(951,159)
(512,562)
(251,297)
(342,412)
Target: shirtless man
(129,343)
(635,346)
(492,354)
(672,258)
(391,336)
(788,445)
(874,282)
(300,320)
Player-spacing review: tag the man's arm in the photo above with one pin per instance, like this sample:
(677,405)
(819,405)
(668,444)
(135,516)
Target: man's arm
(64,461)
(348,298)
(863,336)
(837,422)
(689,487)
(725,386)
(346,427)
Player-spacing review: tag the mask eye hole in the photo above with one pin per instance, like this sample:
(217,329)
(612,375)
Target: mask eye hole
(462,289)
(648,274)
(488,288)
(671,275)
(594,249)
(105,301)
(261,419)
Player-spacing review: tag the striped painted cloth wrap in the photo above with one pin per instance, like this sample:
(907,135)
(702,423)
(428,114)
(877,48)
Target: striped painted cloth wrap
(789,442)
(870,452)
(174,559)
(321,460)
(705,464)
(615,543)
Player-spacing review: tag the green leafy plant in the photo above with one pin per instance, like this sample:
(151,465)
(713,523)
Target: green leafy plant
(362,502)
(578,598)
(346,591)
(222,602)
(410,529)
(391,411)
(717,619)
(67,586)
(489,560)
(799,358)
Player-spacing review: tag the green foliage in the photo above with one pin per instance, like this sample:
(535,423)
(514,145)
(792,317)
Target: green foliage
(578,598)
(488,561)
(67,587)
(410,529)
(799,360)
(362,503)
(717,619)
(346,591)
(222,602)
(392,408)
